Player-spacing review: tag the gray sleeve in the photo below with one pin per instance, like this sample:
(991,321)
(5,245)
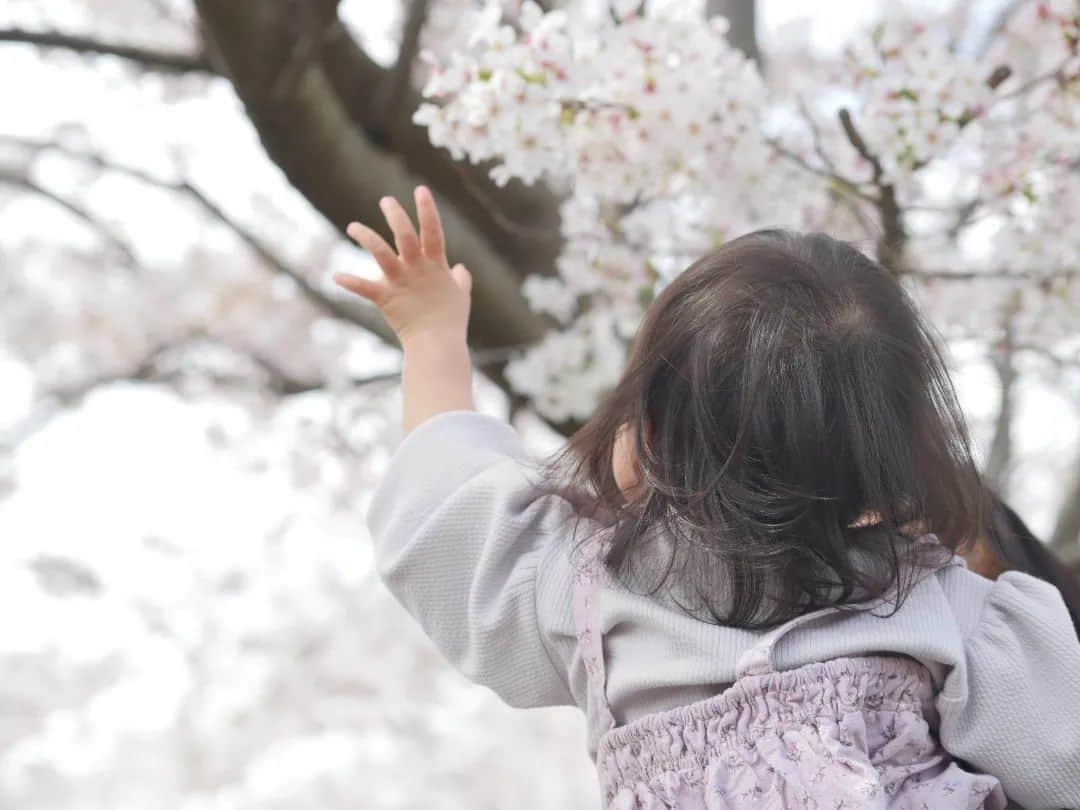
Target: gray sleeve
(1012,707)
(459,531)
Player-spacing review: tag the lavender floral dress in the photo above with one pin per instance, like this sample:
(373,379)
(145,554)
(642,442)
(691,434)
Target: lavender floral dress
(845,733)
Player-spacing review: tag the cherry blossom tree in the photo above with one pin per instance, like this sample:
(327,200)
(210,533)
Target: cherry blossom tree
(665,140)
(957,170)
(608,145)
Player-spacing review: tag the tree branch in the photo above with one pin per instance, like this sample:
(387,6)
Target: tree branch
(310,135)
(500,212)
(115,242)
(392,90)
(740,15)
(1036,276)
(890,247)
(363,315)
(149,58)
(842,183)
(147,369)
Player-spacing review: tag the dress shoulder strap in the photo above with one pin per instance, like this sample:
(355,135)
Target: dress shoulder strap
(587,587)
(758,659)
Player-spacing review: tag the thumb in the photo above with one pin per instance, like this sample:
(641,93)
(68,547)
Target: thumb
(462,276)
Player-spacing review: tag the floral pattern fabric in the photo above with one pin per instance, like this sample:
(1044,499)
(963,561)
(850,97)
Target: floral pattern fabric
(835,735)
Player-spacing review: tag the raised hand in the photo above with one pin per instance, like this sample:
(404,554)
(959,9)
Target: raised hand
(420,295)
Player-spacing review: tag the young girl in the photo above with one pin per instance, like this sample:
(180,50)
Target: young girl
(742,568)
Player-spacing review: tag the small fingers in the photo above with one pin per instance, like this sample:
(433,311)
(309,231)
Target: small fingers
(431,232)
(376,245)
(365,287)
(408,243)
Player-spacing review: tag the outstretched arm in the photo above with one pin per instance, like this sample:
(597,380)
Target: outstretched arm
(426,303)
(459,530)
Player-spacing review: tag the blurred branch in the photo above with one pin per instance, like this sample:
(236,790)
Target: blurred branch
(149,368)
(390,97)
(815,133)
(1057,74)
(893,240)
(144,57)
(363,315)
(741,16)
(842,183)
(966,214)
(56,399)
(842,189)
(1037,276)
(69,396)
(491,359)
(23,182)
(1058,362)
(285,386)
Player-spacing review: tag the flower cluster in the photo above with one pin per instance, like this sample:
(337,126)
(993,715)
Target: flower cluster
(640,108)
(667,141)
(914,94)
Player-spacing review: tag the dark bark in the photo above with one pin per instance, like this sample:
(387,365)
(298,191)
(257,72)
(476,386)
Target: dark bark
(891,243)
(310,135)
(741,14)
(115,242)
(522,222)
(391,94)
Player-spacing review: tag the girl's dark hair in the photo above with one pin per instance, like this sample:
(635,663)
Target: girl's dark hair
(778,389)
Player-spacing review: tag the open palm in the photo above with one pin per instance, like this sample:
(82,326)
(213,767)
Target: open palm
(419,294)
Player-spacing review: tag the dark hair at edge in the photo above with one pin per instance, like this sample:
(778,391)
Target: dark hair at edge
(778,389)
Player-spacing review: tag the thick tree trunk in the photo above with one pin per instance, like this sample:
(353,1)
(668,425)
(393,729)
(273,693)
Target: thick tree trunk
(521,222)
(275,65)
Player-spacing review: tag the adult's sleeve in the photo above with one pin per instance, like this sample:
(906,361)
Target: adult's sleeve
(1012,707)
(459,532)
